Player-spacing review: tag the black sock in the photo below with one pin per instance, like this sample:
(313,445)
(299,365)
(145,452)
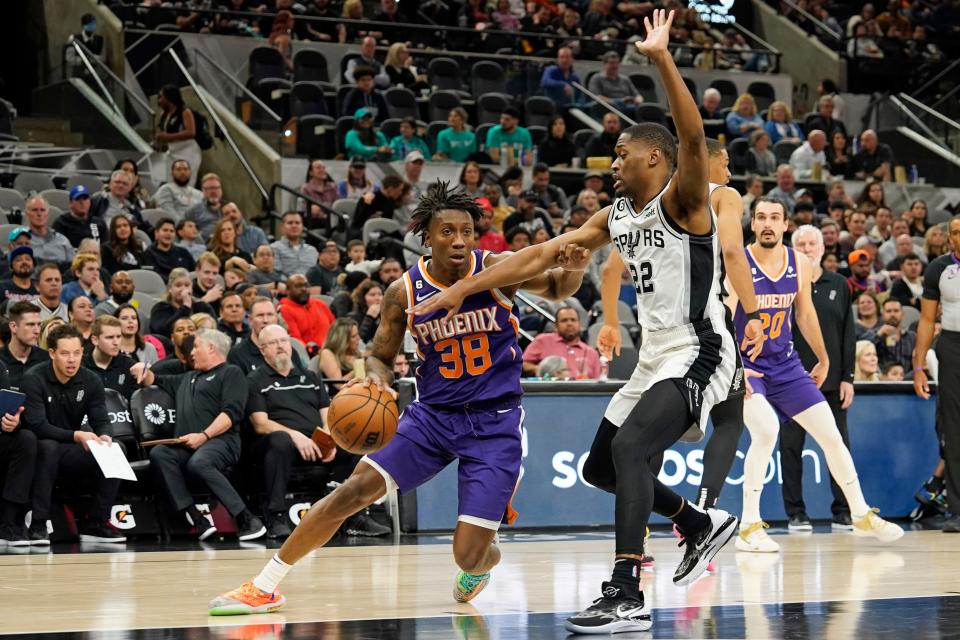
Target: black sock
(934,484)
(626,575)
(690,519)
(195,516)
(8,512)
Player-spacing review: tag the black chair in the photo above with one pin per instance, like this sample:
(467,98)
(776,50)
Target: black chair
(441,102)
(582,137)
(537,134)
(648,112)
(342,125)
(306,98)
(487,77)
(265,62)
(481,133)
(390,128)
(728,92)
(309,65)
(738,149)
(490,106)
(539,111)
(342,92)
(445,73)
(154,413)
(783,149)
(316,136)
(763,93)
(433,130)
(344,61)
(401,103)
(121,428)
(692,88)
(645,85)
(808,121)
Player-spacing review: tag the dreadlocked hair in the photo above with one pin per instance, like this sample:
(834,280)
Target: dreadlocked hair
(440,197)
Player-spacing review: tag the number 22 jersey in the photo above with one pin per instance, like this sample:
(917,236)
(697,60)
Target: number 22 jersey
(474,357)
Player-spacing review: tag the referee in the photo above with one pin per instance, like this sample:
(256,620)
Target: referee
(831,299)
(941,286)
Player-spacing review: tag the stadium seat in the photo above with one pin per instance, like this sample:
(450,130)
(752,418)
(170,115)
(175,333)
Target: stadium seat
(344,61)
(58,198)
(307,99)
(94,184)
(412,239)
(345,207)
(728,92)
(265,62)
(441,102)
(651,112)
(5,230)
(310,65)
(938,216)
(539,111)
(27,183)
(433,130)
(738,149)
(379,226)
(580,138)
(487,77)
(402,103)
(315,136)
(300,349)
(154,413)
(626,315)
(594,331)
(145,304)
(783,149)
(54,213)
(342,125)
(390,128)
(342,95)
(537,134)
(645,85)
(11,199)
(763,93)
(275,93)
(490,106)
(445,73)
(481,133)
(141,235)
(121,428)
(808,119)
(910,315)
(148,282)
(692,88)
(153,216)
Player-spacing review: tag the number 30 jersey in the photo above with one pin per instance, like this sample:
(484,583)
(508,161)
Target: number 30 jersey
(474,356)
(677,275)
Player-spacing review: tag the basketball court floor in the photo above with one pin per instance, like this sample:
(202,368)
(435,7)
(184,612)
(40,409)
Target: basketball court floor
(824,585)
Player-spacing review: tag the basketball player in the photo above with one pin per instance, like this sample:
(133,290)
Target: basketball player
(663,229)
(784,391)
(727,417)
(468,409)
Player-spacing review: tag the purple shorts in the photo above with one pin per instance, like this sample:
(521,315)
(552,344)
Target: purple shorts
(789,388)
(487,443)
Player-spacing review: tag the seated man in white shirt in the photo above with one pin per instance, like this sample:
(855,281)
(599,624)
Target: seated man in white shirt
(804,157)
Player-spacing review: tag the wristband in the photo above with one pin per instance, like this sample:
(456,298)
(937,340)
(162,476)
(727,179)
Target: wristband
(753,315)
(205,436)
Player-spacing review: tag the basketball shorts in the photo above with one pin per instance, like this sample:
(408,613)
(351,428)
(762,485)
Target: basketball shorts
(788,388)
(486,442)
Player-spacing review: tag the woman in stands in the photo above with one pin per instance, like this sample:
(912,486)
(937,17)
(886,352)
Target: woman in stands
(589,200)
(320,187)
(353,32)
(866,367)
(46,327)
(456,143)
(743,117)
(138,194)
(935,243)
(122,250)
(366,303)
(340,358)
(872,195)
(916,216)
(760,160)
(781,125)
(868,314)
(408,141)
(399,66)
(471,179)
(177,128)
(364,141)
(177,303)
(839,160)
(131,342)
(223,243)
(557,149)
(356,183)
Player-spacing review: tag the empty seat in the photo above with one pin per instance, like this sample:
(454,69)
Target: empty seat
(652,113)
(539,111)
(275,93)
(121,427)
(441,102)
(433,130)
(265,62)
(307,99)
(27,183)
(445,73)
(144,304)
(148,282)
(345,207)
(57,198)
(402,103)
(342,125)
(645,85)
(763,93)
(582,137)
(377,226)
(783,149)
(487,77)
(93,183)
(344,61)
(154,413)
(11,199)
(153,216)
(728,92)
(738,149)
(309,65)
(594,331)
(390,128)
(53,213)
(481,132)
(490,106)
(316,136)
(537,134)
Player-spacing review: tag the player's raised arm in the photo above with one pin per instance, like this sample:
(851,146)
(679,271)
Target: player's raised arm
(389,336)
(523,266)
(687,196)
(729,207)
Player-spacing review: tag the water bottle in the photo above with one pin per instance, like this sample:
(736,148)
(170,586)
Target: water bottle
(503,154)
(856,145)
(914,174)
(604,368)
(536,156)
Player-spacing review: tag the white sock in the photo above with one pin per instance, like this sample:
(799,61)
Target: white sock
(273,572)
(763,424)
(751,506)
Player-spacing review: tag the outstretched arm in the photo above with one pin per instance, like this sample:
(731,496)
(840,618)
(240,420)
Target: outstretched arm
(609,340)
(729,207)
(556,284)
(389,336)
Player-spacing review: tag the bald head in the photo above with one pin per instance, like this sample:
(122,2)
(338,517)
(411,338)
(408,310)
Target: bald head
(868,140)
(276,349)
(817,140)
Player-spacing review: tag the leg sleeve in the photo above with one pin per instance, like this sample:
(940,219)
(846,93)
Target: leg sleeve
(721,449)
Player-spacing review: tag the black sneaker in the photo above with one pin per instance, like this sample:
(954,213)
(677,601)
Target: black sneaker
(362,524)
(14,535)
(201,523)
(702,546)
(249,527)
(800,523)
(841,522)
(38,533)
(100,532)
(612,612)
(277,526)
(951,525)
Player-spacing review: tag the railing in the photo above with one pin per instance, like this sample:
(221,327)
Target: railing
(79,49)
(275,211)
(822,28)
(141,109)
(229,76)
(950,127)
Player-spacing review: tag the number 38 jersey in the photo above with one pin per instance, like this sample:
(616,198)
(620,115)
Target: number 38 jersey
(663,260)
(474,356)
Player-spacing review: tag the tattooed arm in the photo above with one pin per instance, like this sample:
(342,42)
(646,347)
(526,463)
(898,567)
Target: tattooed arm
(389,336)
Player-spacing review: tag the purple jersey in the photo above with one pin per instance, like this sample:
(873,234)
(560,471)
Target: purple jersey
(475,356)
(775,296)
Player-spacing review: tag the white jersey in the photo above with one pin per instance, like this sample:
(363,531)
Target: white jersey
(678,278)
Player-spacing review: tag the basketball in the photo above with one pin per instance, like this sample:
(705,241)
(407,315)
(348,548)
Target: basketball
(363,419)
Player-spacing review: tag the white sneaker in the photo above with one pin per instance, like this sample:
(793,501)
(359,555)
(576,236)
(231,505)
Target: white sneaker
(753,538)
(875,526)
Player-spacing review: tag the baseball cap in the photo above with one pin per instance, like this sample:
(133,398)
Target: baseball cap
(592,174)
(485,204)
(16,233)
(414,156)
(530,194)
(863,241)
(17,251)
(858,256)
(363,112)
(78,191)
(357,161)
(800,193)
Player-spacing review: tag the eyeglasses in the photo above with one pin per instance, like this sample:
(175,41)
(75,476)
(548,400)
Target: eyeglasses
(275,343)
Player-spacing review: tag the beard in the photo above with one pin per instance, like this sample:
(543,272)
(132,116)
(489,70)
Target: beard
(123,298)
(768,244)
(181,183)
(282,362)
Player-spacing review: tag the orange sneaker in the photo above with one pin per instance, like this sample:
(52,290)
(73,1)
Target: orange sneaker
(245,599)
